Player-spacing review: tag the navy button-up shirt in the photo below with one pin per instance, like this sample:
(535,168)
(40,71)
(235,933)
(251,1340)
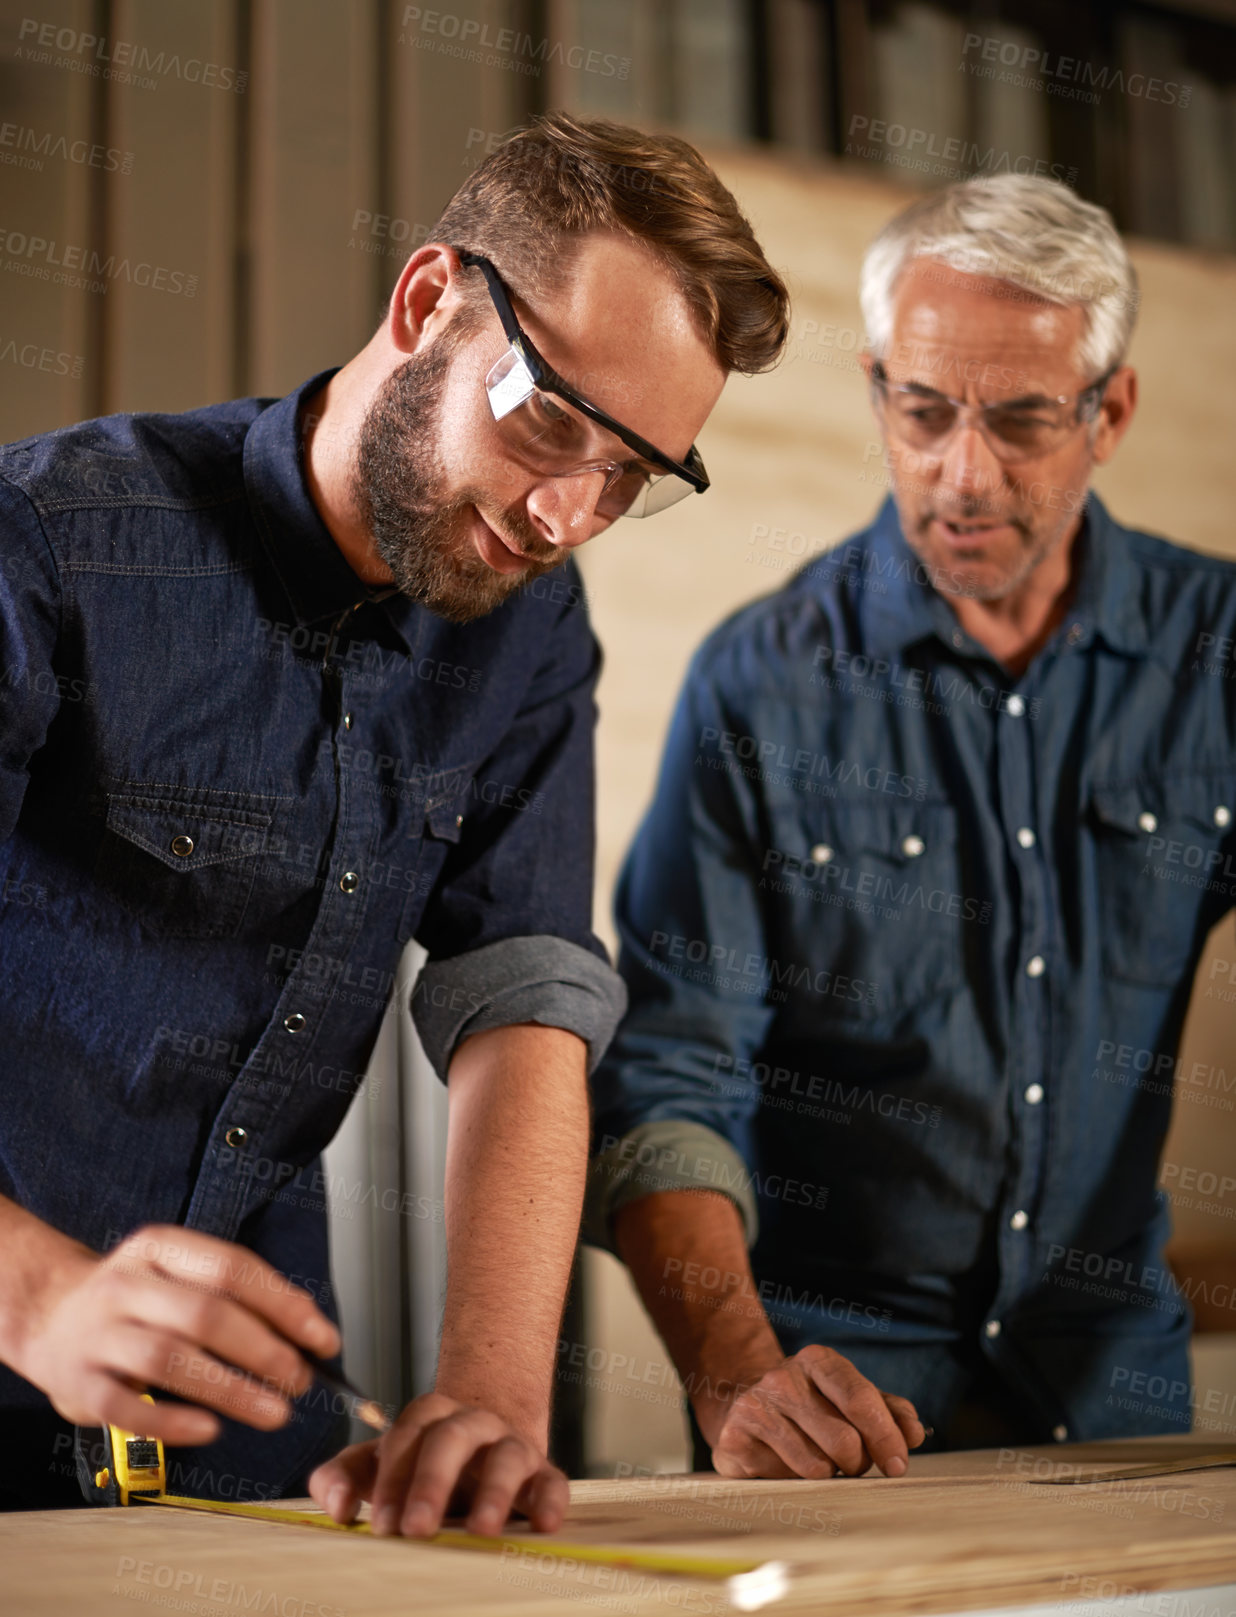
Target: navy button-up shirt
(233,784)
(909,942)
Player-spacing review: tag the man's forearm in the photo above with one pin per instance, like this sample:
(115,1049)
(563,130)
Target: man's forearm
(516,1158)
(687,1253)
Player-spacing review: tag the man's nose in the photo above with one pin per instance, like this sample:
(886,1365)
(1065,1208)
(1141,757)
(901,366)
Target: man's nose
(969,464)
(564,509)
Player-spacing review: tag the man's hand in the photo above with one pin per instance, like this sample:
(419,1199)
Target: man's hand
(809,1415)
(174,1309)
(813,1415)
(441,1458)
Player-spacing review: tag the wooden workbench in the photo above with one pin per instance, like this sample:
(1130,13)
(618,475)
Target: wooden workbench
(961,1532)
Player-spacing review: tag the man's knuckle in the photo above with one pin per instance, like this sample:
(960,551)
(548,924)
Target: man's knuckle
(200,1312)
(152,1358)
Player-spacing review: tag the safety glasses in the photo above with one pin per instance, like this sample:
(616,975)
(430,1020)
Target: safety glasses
(1020,429)
(544,422)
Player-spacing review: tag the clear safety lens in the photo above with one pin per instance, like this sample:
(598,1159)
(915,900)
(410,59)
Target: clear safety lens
(547,434)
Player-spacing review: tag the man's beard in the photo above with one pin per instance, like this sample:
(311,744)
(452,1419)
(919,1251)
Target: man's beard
(953,574)
(421,535)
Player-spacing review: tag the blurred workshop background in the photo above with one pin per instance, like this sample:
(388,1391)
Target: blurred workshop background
(210,198)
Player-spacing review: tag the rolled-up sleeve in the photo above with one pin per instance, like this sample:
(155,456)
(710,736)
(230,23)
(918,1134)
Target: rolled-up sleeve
(546,980)
(670,1112)
(508,926)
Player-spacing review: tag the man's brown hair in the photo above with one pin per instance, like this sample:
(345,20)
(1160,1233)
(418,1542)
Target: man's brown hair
(562,177)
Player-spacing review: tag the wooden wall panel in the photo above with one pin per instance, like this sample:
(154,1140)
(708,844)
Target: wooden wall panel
(313,156)
(169,341)
(452,99)
(52,372)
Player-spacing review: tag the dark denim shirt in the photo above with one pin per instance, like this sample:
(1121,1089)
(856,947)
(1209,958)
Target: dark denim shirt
(909,942)
(233,785)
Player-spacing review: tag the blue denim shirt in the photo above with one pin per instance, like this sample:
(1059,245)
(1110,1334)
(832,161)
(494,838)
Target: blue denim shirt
(233,785)
(908,943)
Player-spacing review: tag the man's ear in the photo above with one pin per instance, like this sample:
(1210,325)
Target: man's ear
(1115,413)
(426,295)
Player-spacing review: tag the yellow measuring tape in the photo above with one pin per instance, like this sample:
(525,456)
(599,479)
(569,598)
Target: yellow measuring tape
(136,1473)
(696,1566)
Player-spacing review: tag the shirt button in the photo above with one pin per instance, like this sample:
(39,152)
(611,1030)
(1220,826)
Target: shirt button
(1147,821)
(347,721)
(1016,705)
(236,1136)
(959,639)
(182,846)
(349,881)
(1034,1094)
(1019,1220)
(1223,815)
(912,846)
(458,821)
(1075,634)
(1035,966)
(1060,1433)
(821,853)
(1026,837)
(993,1328)
(294,1023)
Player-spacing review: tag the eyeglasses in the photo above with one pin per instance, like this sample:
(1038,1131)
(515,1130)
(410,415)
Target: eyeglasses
(554,440)
(1014,429)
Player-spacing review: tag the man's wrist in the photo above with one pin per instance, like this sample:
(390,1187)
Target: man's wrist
(525,1412)
(43,1263)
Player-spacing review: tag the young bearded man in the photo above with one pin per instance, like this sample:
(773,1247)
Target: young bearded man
(288,683)
(905,886)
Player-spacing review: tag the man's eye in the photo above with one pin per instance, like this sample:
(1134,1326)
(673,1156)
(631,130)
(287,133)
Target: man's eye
(1019,421)
(937,416)
(551,413)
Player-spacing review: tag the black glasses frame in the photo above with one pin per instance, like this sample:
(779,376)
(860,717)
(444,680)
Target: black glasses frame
(691,470)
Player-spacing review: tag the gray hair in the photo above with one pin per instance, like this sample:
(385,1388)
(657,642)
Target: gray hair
(1023,229)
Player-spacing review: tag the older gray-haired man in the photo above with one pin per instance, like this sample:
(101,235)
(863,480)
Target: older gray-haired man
(907,890)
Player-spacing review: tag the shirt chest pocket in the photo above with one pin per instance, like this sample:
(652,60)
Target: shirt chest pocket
(440,827)
(875,893)
(1164,871)
(182,860)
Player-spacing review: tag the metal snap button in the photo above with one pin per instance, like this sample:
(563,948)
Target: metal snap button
(236,1136)
(821,853)
(1148,821)
(349,881)
(182,846)
(912,846)
(294,1023)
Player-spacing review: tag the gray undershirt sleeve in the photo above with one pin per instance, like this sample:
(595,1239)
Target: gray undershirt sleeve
(665,1154)
(543,979)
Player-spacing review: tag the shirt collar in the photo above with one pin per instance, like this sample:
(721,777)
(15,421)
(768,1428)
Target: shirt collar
(898,605)
(311,567)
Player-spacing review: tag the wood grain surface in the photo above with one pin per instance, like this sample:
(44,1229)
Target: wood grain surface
(960,1532)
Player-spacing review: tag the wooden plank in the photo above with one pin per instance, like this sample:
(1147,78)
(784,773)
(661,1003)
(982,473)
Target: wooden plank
(960,1532)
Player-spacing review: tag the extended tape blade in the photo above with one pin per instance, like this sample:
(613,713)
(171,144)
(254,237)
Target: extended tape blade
(676,1565)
